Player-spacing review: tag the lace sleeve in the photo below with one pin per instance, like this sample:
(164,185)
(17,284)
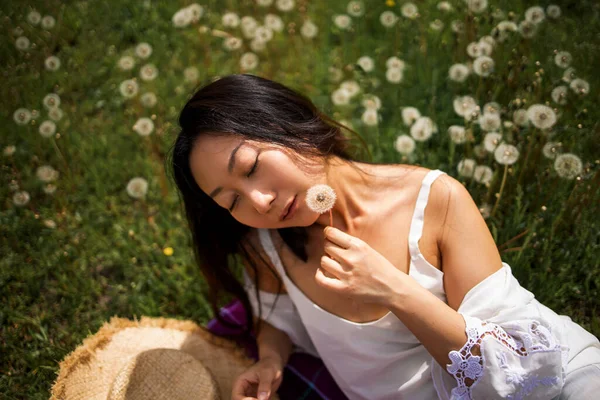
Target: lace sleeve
(514,361)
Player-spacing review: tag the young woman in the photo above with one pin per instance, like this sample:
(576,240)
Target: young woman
(404,297)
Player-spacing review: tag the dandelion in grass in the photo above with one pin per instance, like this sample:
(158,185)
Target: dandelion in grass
(340,97)
(48,22)
(553,11)
(483,174)
(196,11)
(485,48)
(49,188)
(466,167)
(22,116)
(458,72)
(46,173)
(309,30)
(371,101)
(264,3)
(51,100)
(320,199)
(444,6)
(47,129)
(552,149)
(249,26)
(477,6)
(148,100)
(409,10)
(137,187)
(422,129)
(48,223)
(55,114)
(9,150)
(457,134)
(13,186)
(265,34)
(485,210)
(52,63)
(126,63)
(388,19)
(129,88)
(143,50)
(274,22)
(410,115)
(191,74)
(232,43)
(491,141)
(559,94)
(144,126)
(366,63)
(527,29)
(285,5)
(473,50)
(168,251)
(541,116)
(370,117)
(405,145)
(487,39)
(580,86)
(569,75)
(492,108)
(466,107)
(22,43)
(182,18)
(335,74)
(521,118)
(479,150)
(568,165)
(355,8)
(489,122)
(21,198)
(148,72)
(483,66)
(34,17)
(535,14)
(342,21)
(506,154)
(563,59)
(352,87)
(395,62)
(436,25)
(230,20)
(457,26)
(248,61)
(394,75)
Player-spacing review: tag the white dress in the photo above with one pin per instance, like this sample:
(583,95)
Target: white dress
(526,348)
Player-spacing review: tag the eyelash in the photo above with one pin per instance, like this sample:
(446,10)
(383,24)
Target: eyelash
(249,173)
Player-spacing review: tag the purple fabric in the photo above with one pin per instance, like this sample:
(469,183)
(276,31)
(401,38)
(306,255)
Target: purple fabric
(305,377)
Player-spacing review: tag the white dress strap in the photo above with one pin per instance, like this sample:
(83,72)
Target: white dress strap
(416,225)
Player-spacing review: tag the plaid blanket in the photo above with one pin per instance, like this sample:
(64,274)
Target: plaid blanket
(304,377)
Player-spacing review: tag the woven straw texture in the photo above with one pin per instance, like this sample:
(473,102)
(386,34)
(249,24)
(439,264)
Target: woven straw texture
(91,369)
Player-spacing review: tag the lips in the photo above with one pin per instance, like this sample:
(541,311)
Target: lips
(287,209)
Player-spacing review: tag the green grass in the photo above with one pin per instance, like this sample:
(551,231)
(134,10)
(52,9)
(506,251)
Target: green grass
(105,255)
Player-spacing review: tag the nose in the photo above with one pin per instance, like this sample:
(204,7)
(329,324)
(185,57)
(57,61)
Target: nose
(262,201)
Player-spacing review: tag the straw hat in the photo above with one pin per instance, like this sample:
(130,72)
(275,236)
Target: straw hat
(154,358)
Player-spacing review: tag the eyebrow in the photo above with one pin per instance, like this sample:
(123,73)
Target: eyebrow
(230,167)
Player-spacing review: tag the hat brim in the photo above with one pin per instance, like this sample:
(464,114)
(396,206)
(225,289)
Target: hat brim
(88,371)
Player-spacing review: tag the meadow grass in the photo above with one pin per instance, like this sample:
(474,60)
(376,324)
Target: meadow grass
(79,247)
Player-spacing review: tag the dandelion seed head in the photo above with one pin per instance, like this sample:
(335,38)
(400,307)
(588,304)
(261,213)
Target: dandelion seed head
(285,5)
(506,154)
(22,116)
(21,198)
(553,11)
(489,122)
(34,17)
(366,63)
(444,6)
(405,144)
(126,63)
(580,86)
(423,129)
(563,59)
(320,198)
(559,94)
(55,114)
(51,100)
(483,66)
(527,29)
(340,97)
(568,165)
(457,134)
(351,86)
(143,50)
(274,22)
(370,117)
(230,20)
(47,129)
(483,174)
(22,43)
(309,30)
(148,99)
(535,14)
(394,75)
(264,3)
(466,167)
(248,61)
(551,149)
(52,63)
(520,117)
(541,116)
(409,10)
(491,141)
(137,187)
(148,72)
(477,6)
(410,115)
(9,150)
(144,126)
(342,21)
(355,8)
(458,72)
(129,88)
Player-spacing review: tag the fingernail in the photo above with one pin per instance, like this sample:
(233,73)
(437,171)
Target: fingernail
(263,396)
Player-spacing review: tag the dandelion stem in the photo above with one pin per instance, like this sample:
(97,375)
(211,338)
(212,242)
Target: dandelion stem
(500,192)
(330,218)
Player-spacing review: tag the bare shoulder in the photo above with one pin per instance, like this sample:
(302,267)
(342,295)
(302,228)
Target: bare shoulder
(268,278)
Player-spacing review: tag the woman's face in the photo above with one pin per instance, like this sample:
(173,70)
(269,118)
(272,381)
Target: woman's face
(253,180)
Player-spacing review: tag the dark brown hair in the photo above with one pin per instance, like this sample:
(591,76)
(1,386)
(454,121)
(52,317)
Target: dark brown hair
(261,110)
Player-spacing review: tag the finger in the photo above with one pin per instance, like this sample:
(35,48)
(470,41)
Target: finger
(334,251)
(338,237)
(241,389)
(264,385)
(332,267)
(328,282)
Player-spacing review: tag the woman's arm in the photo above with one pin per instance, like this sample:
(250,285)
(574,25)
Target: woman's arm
(273,343)
(468,255)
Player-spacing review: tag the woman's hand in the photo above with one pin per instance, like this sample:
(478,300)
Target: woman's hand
(259,381)
(355,269)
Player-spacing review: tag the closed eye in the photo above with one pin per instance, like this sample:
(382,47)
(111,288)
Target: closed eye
(252,170)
